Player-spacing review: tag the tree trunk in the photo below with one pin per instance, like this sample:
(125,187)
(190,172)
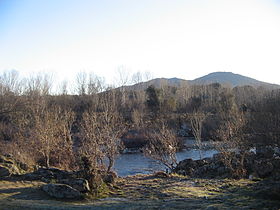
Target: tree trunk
(47,161)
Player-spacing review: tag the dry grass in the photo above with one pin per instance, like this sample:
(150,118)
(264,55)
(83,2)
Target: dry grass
(136,192)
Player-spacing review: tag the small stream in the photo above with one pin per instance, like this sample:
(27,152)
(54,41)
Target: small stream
(136,163)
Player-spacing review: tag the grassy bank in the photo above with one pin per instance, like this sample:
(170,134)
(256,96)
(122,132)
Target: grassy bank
(150,192)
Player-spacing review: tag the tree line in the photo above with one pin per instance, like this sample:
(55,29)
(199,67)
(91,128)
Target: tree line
(83,129)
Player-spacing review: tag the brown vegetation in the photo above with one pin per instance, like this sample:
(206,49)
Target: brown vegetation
(39,127)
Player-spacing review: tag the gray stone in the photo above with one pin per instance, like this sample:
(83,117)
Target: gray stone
(8,170)
(61,191)
(79,184)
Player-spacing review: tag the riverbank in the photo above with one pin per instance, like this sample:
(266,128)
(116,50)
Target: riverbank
(150,191)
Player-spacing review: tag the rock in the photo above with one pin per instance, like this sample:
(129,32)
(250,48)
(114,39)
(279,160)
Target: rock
(110,177)
(43,174)
(4,171)
(6,160)
(216,167)
(161,174)
(12,165)
(61,191)
(181,172)
(47,174)
(201,171)
(187,163)
(24,166)
(8,170)
(78,183)
(263,168)
(222,170)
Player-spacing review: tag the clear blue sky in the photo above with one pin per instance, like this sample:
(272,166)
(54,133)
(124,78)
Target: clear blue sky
(171,38)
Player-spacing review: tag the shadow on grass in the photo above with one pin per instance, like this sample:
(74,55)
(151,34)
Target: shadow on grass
(25,193)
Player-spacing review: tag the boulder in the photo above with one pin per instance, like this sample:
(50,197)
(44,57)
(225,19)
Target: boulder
(201,171)
(161,174)
(110,177)
(8,163)
(234,167)
(48,174)
(203,161)
(61,191)
(6,160)
(187,163)
(25,167)
(8,170)
(77,183)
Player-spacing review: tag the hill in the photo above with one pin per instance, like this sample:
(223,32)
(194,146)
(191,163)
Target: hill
(224,78)
(229,78)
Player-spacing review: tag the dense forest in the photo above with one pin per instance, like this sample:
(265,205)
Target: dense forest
(85,128)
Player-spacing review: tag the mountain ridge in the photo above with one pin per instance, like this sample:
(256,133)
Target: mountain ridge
(224,78)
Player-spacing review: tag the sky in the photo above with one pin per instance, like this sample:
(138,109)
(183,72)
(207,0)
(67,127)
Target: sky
(170,38)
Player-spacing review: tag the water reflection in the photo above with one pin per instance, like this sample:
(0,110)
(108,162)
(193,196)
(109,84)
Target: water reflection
(137,163)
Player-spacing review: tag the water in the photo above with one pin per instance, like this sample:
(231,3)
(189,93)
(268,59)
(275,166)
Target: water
(137,163)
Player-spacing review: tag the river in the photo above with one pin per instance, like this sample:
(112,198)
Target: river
(136,163)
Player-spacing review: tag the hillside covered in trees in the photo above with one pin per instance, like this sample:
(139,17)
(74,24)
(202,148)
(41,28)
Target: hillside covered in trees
(62,125)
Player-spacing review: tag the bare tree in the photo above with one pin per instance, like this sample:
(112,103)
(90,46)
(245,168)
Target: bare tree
(95,84)
(137,77)
(101,138)
(81,80)
(122,76)
(196,119)
(101,132)
(148,76)
(10,83)
(64,88)
(38,85)
(52,133)
(91,144)
(162,146)
(122,79)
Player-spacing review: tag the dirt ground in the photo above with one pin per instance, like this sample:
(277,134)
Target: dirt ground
(146,192)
